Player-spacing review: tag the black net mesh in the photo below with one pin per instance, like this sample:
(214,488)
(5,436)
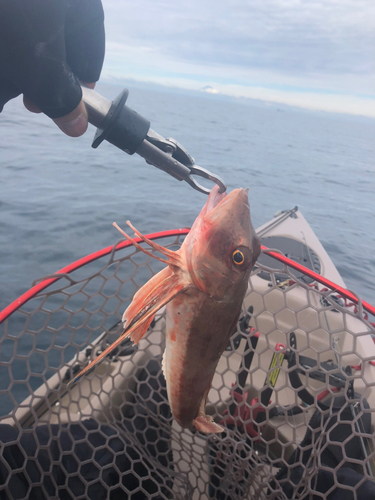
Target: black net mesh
(294,391)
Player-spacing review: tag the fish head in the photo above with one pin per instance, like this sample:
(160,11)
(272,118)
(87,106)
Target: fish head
(222,246)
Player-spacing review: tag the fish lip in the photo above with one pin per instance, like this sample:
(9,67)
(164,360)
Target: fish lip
(214,199)
(217,199)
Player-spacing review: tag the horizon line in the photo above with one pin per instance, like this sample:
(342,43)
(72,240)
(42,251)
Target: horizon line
(328,102)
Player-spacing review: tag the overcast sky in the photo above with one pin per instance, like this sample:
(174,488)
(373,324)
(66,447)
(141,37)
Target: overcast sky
(318,54)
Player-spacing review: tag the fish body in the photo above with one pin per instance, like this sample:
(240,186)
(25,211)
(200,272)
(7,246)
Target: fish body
(203,287)
(194,345)
(201,319)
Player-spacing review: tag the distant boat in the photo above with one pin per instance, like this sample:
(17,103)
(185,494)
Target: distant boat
(210,90)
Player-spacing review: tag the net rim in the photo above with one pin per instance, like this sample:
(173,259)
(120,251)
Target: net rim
(42,285)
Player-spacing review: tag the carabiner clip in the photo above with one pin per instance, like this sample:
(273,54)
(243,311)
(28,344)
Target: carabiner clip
(206,174)
(168,155)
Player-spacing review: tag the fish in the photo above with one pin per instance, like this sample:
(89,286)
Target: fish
(202,287)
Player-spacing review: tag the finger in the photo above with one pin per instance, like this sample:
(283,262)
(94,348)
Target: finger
(85,38)
(75,123)
(71,124)
(30,106)
(90,85)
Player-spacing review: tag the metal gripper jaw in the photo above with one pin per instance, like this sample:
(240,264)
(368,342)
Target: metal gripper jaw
(130,132)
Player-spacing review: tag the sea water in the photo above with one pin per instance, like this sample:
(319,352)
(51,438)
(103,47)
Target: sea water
(59,197)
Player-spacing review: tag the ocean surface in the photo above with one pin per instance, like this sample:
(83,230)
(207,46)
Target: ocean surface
(59,197)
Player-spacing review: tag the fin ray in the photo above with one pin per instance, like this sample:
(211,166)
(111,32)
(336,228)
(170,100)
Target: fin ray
(173,257)
(153,244)
(161,289)
(137,245)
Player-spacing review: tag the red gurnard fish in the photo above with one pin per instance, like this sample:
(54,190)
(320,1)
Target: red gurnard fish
(203,287)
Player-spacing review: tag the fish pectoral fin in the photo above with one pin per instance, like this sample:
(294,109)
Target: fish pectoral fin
(138,333)
(155,294)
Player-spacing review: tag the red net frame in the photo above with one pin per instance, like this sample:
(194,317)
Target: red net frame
(255,479)
(44,283)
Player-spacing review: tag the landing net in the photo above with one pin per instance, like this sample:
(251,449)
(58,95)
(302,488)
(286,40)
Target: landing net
(295,391)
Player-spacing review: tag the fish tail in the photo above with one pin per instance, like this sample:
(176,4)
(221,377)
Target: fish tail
(206,424)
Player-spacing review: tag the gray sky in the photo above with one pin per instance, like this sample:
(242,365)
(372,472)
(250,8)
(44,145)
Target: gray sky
(318,54)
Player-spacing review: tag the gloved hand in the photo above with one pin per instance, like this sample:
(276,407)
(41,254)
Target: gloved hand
(46,47)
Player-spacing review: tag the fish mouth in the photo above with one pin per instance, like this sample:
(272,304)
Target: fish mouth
(214,199)
(217,199)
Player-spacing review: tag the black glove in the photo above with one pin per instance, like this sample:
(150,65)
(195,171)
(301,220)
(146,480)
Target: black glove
(46,46)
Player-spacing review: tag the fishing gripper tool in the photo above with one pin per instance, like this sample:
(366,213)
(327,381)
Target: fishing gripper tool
(130,132)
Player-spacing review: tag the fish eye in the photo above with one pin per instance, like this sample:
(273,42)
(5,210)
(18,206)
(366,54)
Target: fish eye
(238,257)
